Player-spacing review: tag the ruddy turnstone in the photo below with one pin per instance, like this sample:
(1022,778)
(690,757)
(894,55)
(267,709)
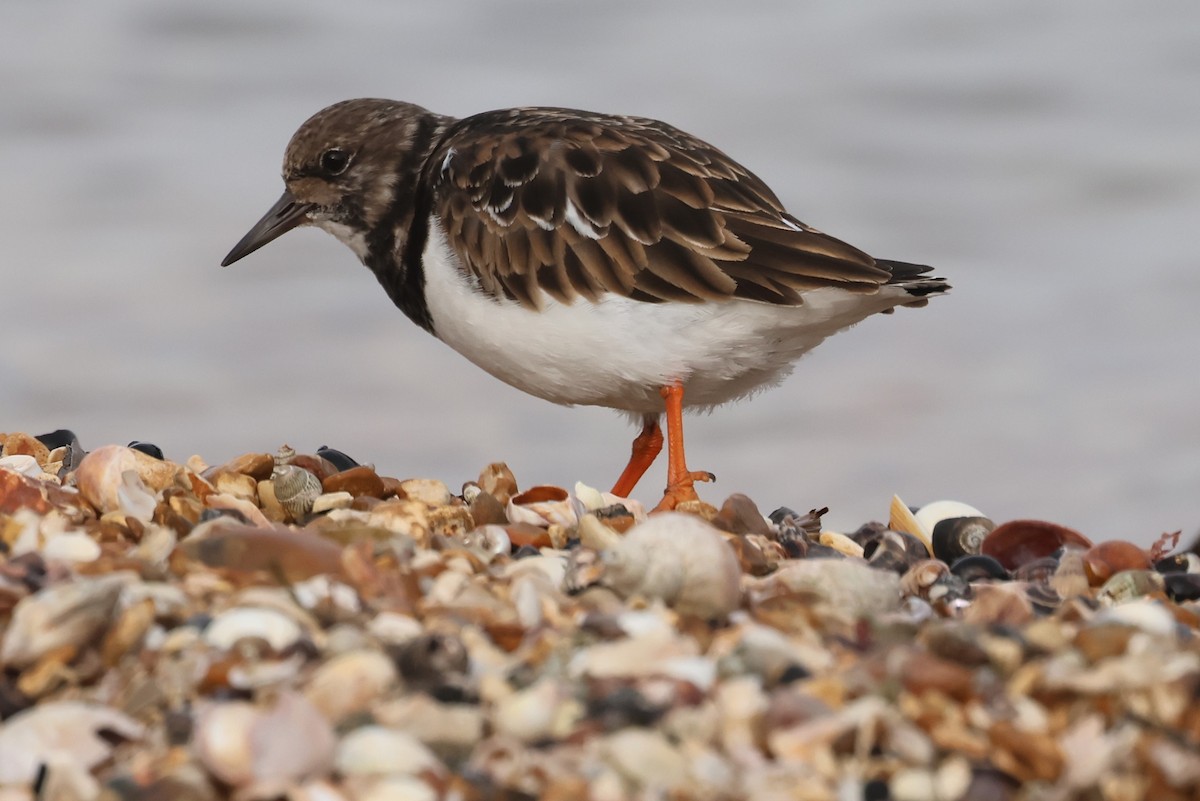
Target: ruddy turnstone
(583,258)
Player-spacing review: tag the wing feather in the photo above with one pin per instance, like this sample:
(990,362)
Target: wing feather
(562,204)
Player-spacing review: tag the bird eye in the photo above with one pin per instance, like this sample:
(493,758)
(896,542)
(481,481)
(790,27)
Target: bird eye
(334,161)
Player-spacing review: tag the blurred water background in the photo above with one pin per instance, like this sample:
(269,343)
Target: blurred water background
(1043,156)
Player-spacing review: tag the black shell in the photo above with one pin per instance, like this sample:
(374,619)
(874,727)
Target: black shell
(956,537)
(978,567)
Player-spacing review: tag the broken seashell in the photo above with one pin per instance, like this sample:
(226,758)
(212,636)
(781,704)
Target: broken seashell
(896,551)
(542,506)
(1129,585)
(380,751)
(350,683)
(21,463)
(240,623)
(69,614)
(841,543)
(680,559)
(498,481)
(426,490)
(82,731)
(329,501)
(241,743)
(901,518)
(850,588)
(100,475)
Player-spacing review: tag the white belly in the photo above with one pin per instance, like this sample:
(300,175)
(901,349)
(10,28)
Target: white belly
(618,352)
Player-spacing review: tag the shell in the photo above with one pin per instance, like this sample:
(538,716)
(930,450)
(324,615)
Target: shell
(849,587)
(542,506)
(68,614)
(380,751)
(921,576)
(895,551)
(498,481)
(350,683)
(1102,561)
(1179,563)
(101,476)
(1129,585)
(295,489)
(240,743)
(22,463)
(1182,587)
(1019,541)
(247,622)
(956,537)
(679,558)
(979,567)
(36,737)
(841,543)
(934,512)
(426,490)
(901,518)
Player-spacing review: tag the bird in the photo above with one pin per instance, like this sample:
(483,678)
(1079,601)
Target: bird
(583,258)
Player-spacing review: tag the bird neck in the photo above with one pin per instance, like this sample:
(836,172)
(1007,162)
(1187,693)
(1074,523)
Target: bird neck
(397,240)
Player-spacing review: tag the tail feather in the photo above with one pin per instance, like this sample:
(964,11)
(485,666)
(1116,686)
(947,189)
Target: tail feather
(914,279)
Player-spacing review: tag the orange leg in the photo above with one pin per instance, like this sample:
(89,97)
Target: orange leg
(646,447)
(679,478)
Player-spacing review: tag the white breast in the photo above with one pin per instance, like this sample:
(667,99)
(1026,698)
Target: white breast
(617,352)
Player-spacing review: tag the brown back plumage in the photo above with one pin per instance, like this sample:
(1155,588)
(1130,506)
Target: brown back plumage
(579,204)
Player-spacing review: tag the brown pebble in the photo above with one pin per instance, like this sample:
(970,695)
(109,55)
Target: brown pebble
(1102,641)
(24,445)
(521,534)
(923,672)
(498,481)
(319,466)
(1102,561)
(739,515)
(357,481)
(256,465)
(486,510)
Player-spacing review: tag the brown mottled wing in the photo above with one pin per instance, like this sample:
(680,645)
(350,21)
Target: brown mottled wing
(576,204)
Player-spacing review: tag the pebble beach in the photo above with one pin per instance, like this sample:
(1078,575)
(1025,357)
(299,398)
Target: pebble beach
(294,625)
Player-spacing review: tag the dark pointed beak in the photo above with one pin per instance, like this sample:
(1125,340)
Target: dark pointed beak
(285,215)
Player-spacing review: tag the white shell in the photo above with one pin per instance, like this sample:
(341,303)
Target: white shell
(350,683)
(934,512)
(380,751)
(22,463)
(62,614)
(55,730)
(850,587)
(72,546)
(239,742)
(230,626)
(680,559)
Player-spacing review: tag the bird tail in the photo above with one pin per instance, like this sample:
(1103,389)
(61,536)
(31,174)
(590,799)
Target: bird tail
(914,279)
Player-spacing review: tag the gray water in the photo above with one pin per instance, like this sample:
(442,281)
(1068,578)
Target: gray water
(1043,156)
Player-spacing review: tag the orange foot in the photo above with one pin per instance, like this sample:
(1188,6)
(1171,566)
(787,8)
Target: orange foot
(680,480)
